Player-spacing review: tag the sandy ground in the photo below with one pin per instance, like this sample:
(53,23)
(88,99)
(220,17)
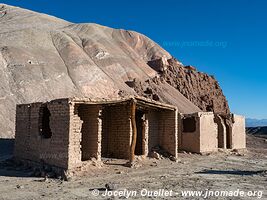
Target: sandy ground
(220,171)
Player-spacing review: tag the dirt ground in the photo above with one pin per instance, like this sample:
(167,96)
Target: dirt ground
(218,172)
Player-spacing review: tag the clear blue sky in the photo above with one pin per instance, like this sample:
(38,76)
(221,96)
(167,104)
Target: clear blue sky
(225,38)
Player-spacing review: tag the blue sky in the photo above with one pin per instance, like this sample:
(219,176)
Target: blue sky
(224,38)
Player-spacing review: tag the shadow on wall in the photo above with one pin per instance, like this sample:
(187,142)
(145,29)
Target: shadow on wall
(235,172)
(6,146)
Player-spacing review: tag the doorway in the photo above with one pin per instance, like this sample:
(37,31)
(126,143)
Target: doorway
(88,115)
(228,137)
(140,127)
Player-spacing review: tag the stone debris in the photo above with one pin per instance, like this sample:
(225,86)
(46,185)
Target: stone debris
(155,155)
(111,186)
(20,186)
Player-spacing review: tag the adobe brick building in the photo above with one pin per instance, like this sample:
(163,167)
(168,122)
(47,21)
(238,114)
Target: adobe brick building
(203,132)
(65,133)
(231,131)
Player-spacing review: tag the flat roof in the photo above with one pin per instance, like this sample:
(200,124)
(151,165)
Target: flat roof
(84,100)
(139,100)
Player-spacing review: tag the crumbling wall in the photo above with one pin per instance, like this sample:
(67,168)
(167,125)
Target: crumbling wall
(85,133)
(238,132)
(116,134)
(153,129)
(30,144)
(203,137)
(231,131)
(90,130)
(54,150)
(168,125)
(222,131)
(75,137)
(189,141)
(208,132)
(27,139)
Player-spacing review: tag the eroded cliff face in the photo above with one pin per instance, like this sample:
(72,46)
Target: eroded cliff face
(200,88)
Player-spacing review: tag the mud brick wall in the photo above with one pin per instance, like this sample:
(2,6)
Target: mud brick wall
(168,133)
(153,129)
(204,138)
(75,137)
(27,137)
(189,141)
(145,137)
(222,131)
(238,132)
(89,127)
(31,145)
(116,133)
(54,150)
(85,133)
(208,132)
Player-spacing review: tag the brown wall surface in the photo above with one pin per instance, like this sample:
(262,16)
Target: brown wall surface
(222,131)
(116,131)
(29,143)
(208,132)
(153,129)
(81,132)
(204,138)
(85,133)
(168,132)
(189,141)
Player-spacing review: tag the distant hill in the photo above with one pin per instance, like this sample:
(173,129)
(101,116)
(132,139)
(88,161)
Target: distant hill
(256,122)
(257,130)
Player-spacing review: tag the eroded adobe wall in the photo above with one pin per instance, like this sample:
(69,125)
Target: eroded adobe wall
(189,141)
(85,133)
(27,137)
(222,131)
(30,143)
(91,131)
(168,133)
(116,131)
(54,150)
(208,132)
(238,132)
(153,129)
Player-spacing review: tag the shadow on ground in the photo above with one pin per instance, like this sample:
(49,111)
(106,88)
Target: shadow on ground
(231,172)
(6,152)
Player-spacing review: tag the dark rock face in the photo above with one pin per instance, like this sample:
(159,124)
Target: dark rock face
(200,88)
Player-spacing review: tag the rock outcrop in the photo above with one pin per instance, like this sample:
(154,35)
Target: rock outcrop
(200,88)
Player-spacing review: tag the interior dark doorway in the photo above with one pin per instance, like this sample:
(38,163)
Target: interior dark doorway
(139,147)
(228,137)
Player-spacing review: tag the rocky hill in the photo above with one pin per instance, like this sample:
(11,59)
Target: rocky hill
(261,130)
(200,88)
(43,57)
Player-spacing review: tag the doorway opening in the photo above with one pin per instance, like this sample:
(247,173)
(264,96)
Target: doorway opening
(189,125)
(140,127)
(88,131)
(228,137)
(45,129)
